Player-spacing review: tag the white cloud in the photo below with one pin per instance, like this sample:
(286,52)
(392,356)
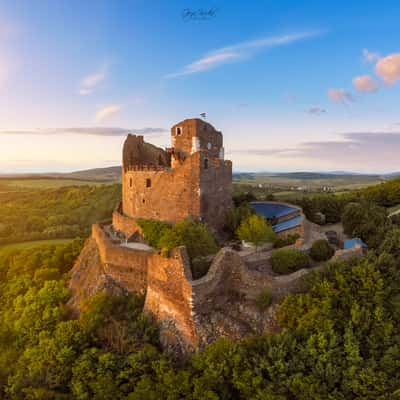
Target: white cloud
(365,84)
(238,52)
(369,56)
(89,82)
(107,112)
(340,95)
(388,68)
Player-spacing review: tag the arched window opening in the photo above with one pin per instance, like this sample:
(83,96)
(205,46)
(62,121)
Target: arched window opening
(178,131)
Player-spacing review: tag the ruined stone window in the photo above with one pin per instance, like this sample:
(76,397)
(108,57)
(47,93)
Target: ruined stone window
(148,182)
(178,131)
(206,163)
(130,182)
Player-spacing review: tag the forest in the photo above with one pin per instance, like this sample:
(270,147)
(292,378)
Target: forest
(339,337)
(66,212)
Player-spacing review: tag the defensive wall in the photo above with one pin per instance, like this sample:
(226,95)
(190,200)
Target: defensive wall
(172,296)
(126,266)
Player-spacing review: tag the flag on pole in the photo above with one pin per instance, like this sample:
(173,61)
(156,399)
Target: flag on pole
(203,115)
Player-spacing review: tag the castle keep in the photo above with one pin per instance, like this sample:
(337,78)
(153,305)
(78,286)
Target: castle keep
(189,179)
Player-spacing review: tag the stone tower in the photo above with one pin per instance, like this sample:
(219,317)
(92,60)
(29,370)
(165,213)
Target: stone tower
(190,179)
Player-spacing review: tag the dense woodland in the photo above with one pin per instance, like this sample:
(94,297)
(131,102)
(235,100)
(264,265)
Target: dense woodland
(339,337)
(55,213)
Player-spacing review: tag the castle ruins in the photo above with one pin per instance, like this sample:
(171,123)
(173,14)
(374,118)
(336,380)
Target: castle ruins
(190,179)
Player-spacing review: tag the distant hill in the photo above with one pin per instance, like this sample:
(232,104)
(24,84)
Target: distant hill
(95,174)
(108,174)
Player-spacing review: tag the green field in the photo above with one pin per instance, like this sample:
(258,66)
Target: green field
(35,243)
(16,185)
(301,182)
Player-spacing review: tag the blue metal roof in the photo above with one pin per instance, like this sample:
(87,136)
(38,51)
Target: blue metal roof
(285,225)
(272,210)
(350,243)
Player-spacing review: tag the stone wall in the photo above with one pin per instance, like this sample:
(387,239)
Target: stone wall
(182,306)
(124,224)
(168,195)
(169,298)
(209,139)
(126,266)
(137,152)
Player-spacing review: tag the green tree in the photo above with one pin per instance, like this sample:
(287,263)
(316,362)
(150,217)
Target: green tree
(196,236)
(256,230)
(366,221)
(321,250)
(286,261)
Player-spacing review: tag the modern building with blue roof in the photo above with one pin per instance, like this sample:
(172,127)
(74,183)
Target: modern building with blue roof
(350,243)
(285,218)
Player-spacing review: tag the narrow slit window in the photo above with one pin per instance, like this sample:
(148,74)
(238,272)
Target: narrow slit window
(130,182)
(206,163)
(148,182)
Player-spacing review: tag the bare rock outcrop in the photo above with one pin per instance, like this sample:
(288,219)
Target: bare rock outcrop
(88,277)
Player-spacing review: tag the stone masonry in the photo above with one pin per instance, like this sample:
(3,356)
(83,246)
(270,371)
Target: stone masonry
(190,179)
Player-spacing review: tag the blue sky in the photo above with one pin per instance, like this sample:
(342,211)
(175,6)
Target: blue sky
(293,85)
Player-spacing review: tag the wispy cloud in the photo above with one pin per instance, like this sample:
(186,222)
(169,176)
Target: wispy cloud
(340,96)
(316,110)
(89,82)
(107,112)
(91,131)
(365,84)
(355,150)
(369,56)
(240,52)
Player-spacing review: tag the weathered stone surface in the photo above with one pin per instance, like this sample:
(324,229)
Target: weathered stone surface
(137,152)
(189,180)
(192,313)
(88,277)
(196,183)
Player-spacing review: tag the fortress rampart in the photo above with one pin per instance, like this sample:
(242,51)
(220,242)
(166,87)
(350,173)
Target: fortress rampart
(128,226)
(173,298)
(128,267)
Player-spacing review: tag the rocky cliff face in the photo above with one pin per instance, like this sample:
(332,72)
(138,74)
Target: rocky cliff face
(88,277)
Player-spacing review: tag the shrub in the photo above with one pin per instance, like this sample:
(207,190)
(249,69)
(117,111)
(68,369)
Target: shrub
(196,236)
(235,216)
(286,241)
(264,299)
(366,221)
(256,230)
(286,261)
(321,250)
(153,231)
